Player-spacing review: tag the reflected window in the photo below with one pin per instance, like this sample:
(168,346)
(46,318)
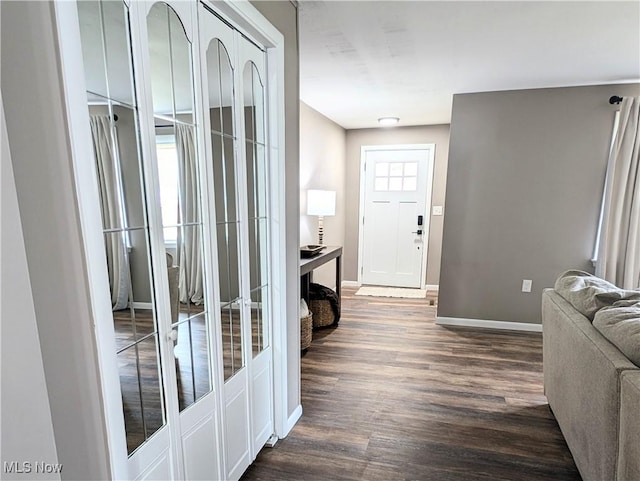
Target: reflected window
(168,175)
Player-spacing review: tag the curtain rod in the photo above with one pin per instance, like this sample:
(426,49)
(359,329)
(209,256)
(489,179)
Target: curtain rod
(614,99)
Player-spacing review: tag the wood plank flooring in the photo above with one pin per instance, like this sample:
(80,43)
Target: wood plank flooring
(389,395)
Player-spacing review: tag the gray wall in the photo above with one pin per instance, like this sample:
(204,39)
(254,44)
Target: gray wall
(26,428)
(526,171)
(429,134)
(322,166)
(284,16)
(36,126)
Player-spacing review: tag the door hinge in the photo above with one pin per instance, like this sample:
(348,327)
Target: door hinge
(362,220)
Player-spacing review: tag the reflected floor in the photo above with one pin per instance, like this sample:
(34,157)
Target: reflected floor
(139,380)
(136,339)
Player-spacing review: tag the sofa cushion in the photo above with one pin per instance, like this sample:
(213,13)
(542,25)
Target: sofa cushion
(588,293)
(620,325)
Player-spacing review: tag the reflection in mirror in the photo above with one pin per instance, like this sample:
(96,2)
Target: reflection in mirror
(115,135)
(253,107)
(141,389)
(193,362)
(177,163)
(221,113)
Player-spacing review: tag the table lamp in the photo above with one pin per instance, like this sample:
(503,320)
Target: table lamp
(321,203)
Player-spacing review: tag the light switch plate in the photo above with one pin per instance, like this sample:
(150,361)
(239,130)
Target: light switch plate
(437,210)
(526,285)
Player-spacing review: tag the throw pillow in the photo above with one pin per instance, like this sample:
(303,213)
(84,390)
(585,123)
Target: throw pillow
(588,293)
(620,324)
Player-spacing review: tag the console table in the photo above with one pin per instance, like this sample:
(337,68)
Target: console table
(309,264)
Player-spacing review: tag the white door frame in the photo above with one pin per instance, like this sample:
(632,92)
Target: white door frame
(430,148)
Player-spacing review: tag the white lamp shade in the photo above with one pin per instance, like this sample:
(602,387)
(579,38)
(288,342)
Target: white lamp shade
(321,202)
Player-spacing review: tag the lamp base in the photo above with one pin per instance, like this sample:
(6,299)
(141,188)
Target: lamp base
(320,230)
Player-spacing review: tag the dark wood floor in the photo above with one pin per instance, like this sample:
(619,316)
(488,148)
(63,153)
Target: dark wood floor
(389,395)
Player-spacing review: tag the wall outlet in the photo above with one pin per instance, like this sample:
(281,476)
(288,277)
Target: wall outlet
(526,285)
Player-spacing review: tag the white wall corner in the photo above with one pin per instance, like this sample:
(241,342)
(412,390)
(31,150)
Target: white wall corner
(488,324)
(293,419)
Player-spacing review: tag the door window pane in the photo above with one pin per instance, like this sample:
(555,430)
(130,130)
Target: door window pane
(410,184)
(395,169)
(396,176)
(382,169)
(381,184)
(410,169)
(395,184)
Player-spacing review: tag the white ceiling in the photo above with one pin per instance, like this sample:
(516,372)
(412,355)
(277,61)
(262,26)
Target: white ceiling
(361,60)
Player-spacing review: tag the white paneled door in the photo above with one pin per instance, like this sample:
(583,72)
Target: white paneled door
(235,122)
(395,203)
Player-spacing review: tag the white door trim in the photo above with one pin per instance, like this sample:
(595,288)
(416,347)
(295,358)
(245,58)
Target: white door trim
(430,148)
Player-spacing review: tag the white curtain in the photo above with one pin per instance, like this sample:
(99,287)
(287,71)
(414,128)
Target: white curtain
(619,250)
(191,274)
(111,203)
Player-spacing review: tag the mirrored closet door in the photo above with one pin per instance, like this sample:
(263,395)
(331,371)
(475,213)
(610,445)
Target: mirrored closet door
(114,114)
(184,217)
(148,164)
(176,101)
(236,151)
(256,235)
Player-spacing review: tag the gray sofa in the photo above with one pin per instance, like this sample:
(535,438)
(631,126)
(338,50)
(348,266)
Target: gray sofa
(593,388)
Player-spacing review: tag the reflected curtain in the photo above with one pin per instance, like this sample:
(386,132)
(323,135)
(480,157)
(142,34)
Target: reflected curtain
(104,148)
(191,274)
(619,250)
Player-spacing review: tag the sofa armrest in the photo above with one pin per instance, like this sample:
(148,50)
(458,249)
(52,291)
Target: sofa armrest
(629,452)
(582,384)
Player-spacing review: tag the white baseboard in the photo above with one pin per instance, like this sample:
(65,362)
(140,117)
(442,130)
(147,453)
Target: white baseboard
(428,287)
(488,324)
(142,305)
(293,419)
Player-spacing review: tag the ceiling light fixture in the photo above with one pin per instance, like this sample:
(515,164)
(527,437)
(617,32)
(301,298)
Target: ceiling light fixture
(388,120)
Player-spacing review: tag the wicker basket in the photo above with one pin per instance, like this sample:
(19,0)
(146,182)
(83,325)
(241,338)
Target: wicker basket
(322,313)
(306,331)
